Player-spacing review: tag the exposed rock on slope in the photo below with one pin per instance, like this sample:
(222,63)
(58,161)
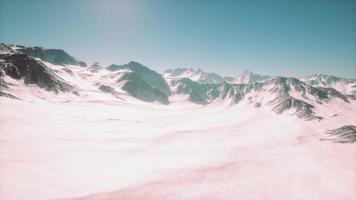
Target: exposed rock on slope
(143,83)
(344,85)
(22,66)
(280,93)
(203,93)
(248,77)
(5,49)
(95,67)
(344,134)
(54,56)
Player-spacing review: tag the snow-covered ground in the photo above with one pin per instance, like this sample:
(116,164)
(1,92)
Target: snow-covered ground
(113,150)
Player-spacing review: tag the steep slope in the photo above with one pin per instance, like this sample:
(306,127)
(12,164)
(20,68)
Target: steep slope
(31,71)
(95,67)
(142,82)
(247,77)
(5,49)
(54,56)
(347,86)
(280,94)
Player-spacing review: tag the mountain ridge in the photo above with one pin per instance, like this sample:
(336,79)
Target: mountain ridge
(300,97)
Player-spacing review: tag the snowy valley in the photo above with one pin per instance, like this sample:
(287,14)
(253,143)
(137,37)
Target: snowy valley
(72,130)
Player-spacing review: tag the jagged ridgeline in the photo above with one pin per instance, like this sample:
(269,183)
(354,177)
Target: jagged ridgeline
(56,71)
(54,56)
(277,92)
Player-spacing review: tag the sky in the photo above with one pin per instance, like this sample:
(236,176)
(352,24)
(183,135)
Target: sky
(277,37)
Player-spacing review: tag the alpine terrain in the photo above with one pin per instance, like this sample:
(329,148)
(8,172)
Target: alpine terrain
(85,131)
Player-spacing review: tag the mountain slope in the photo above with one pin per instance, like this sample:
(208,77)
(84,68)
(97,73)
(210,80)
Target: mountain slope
(54,56)
(142,82)
(280,94)
(195,75)
(305,99)
(22,66)
(248,77)
(344,85)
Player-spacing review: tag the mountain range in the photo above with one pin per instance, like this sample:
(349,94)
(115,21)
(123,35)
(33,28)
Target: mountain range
(54,71)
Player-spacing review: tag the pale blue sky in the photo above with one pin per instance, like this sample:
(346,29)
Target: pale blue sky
(278,37)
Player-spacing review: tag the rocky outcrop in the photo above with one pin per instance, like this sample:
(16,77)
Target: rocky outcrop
(32,71)
(344,134)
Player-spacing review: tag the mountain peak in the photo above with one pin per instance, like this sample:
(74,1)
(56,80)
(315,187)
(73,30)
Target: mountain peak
(134,63)
(247,72)
(53,56)
(193,74)
(248,77)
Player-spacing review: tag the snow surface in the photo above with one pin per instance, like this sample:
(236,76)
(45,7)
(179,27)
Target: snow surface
(114,149)
(98,146)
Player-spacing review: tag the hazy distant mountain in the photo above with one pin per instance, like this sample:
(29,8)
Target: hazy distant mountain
(195,75)
(54,56)
(248,77)
(344,85)
(95,67)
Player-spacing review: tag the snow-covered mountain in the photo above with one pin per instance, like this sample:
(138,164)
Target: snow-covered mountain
(31,71)
(248,77)
(142,82)
(127,132)
(344,85)
(281,94)
(195,75)
(54,56)
(95,67)
(56,71)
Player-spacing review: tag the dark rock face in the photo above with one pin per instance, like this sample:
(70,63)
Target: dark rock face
(143,83)
(139,88)
(203,93)
(107,89)
(344,134)
(54,56)
(302,109)
(197,91)
(22,66)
